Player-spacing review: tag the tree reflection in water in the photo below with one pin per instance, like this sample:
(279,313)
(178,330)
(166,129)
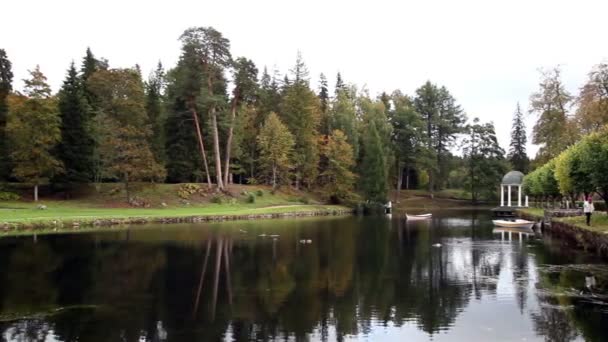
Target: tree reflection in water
(357,277)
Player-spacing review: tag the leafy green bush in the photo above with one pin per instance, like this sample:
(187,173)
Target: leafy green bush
(250,198)
(8,196)
(304,200)
(259,193)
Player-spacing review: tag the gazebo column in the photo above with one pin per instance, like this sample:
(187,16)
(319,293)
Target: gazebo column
(519,195)
(508,195)
(502,195)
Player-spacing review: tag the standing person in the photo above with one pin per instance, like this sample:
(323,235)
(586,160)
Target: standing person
(588,209)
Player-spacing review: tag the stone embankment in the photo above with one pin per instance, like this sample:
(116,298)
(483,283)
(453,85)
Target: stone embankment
(587,239)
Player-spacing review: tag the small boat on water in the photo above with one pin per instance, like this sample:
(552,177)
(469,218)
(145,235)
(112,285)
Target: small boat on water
(418,217)
(519,223)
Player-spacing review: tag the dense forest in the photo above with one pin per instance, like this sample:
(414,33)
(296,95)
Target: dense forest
(215,118)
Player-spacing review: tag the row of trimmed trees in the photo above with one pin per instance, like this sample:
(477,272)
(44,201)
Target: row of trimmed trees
(212,118)
(580,170)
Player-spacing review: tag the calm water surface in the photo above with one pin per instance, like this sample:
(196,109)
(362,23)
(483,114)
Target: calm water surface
(329,279)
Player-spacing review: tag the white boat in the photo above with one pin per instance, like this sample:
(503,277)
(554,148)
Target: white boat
(418,217)
(519,223)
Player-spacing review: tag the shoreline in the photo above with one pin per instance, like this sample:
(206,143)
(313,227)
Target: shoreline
(75,224)
(584,238)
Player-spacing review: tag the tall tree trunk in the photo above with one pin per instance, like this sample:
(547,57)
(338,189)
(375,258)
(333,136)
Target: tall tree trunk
(216,135)
(274,177)
(201,145)
(36,193)
(216,150)
(230,133)
(407,178)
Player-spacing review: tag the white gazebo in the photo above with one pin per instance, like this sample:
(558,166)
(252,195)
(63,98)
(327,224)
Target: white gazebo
(510,182)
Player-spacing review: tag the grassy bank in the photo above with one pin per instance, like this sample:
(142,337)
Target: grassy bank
(106,205)
(599,220)
(417,200)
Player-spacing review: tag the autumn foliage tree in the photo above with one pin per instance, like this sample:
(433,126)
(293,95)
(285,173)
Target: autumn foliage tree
(339,175)
(124,149)
(276,146)
(34,128)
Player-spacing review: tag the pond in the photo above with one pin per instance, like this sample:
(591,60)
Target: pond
(452,278)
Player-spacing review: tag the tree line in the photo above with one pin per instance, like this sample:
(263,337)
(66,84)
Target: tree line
(216,118)
(581,169)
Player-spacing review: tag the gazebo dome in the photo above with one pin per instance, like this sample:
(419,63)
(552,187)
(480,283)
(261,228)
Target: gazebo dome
(513,178)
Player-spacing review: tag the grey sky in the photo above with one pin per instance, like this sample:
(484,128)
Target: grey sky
(486,52)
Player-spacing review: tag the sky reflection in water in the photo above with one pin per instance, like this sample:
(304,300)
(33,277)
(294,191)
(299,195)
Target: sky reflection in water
(370,279)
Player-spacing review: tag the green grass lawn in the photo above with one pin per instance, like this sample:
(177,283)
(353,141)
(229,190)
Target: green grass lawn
(106,201)
(533,211)
(599,222)
(72,210)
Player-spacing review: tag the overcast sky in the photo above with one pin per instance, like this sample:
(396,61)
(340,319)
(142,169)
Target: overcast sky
(487,53)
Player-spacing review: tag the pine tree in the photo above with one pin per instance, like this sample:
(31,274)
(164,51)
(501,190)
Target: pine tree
(323,95)
(156,113)
(183,132)
(340,162)
(340,86)
(374,177)
(34,128)
(276,146)
(213,52)
(444,119)
(6,79)
(484,158)
(408,137)
(517,150)
(300,110)
(90,65)
(244,93)
(77,145)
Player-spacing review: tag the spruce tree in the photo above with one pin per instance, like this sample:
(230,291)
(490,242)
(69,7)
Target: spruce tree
(517,150)
(6,79)
(77,145)
(325,128)
(300,111)
(340,86)
(156,113)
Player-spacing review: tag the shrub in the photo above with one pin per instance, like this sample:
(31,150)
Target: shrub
(8,196)
(304,200)
(250,198)
(217,199)
(259,193)
(187,190)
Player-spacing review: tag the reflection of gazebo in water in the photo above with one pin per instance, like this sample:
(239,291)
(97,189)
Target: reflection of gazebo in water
(511,182)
